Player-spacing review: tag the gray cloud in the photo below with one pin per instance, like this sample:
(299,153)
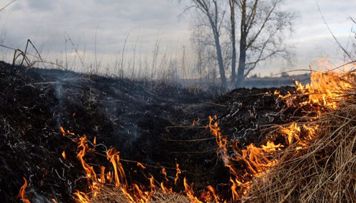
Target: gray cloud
(40,5)
(47,23)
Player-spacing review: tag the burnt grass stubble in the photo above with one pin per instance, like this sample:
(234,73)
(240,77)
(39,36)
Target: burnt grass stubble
(149,122)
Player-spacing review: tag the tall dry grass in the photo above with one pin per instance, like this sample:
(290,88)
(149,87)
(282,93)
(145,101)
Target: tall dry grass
(323,172)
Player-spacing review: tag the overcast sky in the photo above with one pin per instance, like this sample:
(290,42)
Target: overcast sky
(107,23)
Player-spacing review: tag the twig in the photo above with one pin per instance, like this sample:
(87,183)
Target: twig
(7,5)
(332,34)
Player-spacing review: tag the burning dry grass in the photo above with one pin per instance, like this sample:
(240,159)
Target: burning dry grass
(314,162)
(325,171)
(110,195)
(312,159)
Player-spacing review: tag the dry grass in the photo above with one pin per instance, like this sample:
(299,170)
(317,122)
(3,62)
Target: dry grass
(323,172)
(112,195)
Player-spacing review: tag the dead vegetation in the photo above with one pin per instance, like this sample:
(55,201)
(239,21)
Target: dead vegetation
(323,172)
(286,144)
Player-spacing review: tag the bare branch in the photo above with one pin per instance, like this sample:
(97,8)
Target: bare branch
(7,5)
(263,24)
(353,20)
(332,34)
(251,17)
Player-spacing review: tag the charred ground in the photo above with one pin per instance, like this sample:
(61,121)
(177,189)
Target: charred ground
(151,122)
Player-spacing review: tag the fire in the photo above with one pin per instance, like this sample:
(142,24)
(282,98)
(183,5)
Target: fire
(64,155)
(127,194)
(178,172)
(164,173)
(141,195)
(257,158)
(22,192)
(62,131)
(119,173)
(94,141)
(325,90)
(102,175)
(210,195)
(271,147)
(140,165)
(323,94)
(221,140)
(83,149)
(109,177)
(164,189)
(133,194)
(65,132)
(234,188)
(190,193)
(291,133)
(152,184)
(81,197)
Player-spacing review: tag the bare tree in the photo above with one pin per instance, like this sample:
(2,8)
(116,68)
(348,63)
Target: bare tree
(211,10)
(263,26)
(232,4)
(204,47)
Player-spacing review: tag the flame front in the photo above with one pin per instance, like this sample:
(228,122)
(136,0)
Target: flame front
(324,94)
(245,164)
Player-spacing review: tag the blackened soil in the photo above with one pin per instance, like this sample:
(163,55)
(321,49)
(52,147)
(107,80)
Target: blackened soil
(154,123)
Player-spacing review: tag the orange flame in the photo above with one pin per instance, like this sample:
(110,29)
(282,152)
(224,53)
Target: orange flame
(127,194)
(164,189)
(81,197)
(141,195)
(178,172)
(152,184)
(257,158)
(140,165)
(64,155)
(62,131)
(94,141)
(102,174)
(190,193)
(22,192)
(65,132)
(83,148)
(221,140)
(164,173)
(210,195)
(119,173)
(323,93)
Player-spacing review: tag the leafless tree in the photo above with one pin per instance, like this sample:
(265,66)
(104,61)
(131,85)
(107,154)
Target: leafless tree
(232,4)
(214,15)
(263,25)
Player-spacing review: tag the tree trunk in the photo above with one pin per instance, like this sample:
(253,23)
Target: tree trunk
(242,62)
(233,42)
(243,45)
(220,59)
